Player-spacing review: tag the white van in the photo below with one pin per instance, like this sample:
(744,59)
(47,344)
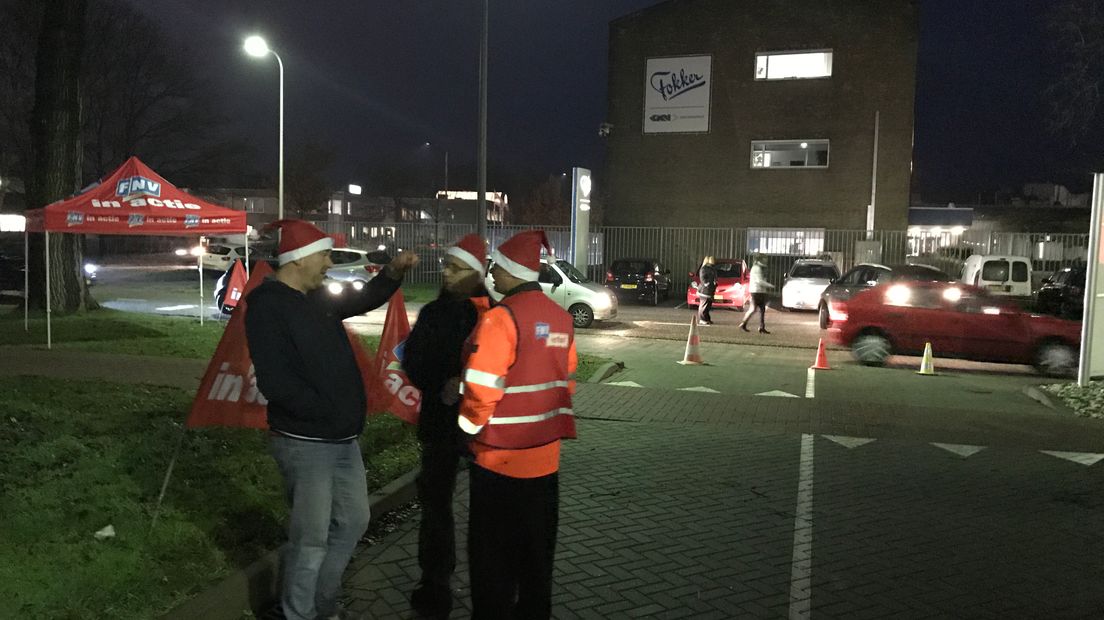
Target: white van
(1000,274)
(586,300)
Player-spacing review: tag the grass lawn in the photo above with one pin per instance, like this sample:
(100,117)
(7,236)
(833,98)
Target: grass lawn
(76,456)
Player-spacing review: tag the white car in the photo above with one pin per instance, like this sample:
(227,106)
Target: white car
(218,257)
(350,264)
(585,300)
(805,282)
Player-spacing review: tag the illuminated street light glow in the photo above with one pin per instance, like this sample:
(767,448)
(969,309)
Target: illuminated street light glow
(256,46)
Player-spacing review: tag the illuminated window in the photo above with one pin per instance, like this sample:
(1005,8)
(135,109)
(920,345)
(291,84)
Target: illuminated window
(789,154)
(787,241)
(793,65)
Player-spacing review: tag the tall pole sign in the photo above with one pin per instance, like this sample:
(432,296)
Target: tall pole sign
(581,185)
(1092,326)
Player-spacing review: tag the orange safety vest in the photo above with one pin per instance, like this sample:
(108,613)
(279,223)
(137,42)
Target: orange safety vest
(535,409)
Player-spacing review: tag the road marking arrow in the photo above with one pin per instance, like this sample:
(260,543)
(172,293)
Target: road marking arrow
(699,388)
(848,442)
(778,393)
(174,308)
(962,450)
(625,384)
(1081,458)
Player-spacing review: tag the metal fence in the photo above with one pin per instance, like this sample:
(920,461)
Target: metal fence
(682,249)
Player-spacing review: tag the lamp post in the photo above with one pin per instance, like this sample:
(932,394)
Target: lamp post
(257,47)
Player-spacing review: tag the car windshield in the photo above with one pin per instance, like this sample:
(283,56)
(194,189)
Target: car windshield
(626,267)
(729,270)
(571,272)
(823,272)
(910,273)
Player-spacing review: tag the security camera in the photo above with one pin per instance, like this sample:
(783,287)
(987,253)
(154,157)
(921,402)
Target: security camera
(604,130)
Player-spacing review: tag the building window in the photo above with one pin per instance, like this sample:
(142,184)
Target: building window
(793,65)
(789,154)
(786,241)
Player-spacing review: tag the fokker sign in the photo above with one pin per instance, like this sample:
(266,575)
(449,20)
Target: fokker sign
(676,94)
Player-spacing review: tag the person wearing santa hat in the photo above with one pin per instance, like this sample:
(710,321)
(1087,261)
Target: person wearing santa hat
(306,369)
(516,406)
(433,359)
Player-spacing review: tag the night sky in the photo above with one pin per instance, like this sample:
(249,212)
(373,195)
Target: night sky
(375,80)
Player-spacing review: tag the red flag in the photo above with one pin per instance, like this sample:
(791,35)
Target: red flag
(235,290)
(389,389)
(228,394)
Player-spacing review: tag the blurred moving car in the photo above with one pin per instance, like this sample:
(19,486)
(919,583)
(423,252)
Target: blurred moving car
(733,278)
(867,275)
(12,277)
(959,321)
(1063,294)
(642,279)
(999,274)
(586,300)
(805,281)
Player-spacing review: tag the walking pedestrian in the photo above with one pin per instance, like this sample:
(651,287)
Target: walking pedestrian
(707,286)
(518,386)
(758,287)
(306,369)
(433,358)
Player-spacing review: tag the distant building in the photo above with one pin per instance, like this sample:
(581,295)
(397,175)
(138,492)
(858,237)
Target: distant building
(761,114)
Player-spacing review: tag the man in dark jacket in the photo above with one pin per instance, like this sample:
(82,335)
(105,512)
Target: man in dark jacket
(306,369)
(433,359)
(707,286)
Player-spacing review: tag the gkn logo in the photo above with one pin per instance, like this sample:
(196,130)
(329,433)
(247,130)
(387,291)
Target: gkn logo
(136,219)
(136,186)
(191,221)
(660,118)
(74,218)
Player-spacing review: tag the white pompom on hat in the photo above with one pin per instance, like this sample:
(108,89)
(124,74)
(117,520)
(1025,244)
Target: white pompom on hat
(299,239)
(520,255)
(471,249)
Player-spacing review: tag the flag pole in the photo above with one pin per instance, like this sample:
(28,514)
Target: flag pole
(168,475)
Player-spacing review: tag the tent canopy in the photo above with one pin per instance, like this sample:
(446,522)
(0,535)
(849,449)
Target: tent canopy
(135,200)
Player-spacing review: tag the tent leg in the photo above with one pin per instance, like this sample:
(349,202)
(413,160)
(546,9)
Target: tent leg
(247,253)
(199,264)
(49,303)
(168,476)
(26,280)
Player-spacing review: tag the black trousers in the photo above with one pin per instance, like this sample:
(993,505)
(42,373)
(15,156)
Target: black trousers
(705,304)
(437,532)
(758,303)
(512,544)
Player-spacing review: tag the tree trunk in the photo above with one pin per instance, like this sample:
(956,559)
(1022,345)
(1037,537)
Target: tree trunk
(55,129)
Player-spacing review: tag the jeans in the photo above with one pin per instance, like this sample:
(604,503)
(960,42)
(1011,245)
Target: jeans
(327,498)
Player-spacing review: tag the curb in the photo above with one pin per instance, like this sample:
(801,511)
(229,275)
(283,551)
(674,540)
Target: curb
(605,371)
(255,587)
(1045,399)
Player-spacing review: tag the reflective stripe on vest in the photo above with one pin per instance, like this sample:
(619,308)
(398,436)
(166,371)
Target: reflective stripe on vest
(525,419)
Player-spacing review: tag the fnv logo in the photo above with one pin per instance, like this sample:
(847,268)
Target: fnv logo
(542,330)
(74,218)
(136,219)
(137,186)
(191,221)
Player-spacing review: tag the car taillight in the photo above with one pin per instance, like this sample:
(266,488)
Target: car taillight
(649,276)
(609,276)
(372,268)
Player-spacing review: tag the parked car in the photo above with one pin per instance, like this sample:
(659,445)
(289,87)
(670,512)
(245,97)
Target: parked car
(805,281)
(585,300)
(1000,274)
(642,279)
(733,278)
(959,321)
(217,257)
(12,276)
(1063,294)
(867,275)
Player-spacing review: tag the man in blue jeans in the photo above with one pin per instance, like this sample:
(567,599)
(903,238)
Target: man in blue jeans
(306,369)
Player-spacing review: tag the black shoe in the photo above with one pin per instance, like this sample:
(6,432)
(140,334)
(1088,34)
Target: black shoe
(763,330)
(743,326)
(432,601)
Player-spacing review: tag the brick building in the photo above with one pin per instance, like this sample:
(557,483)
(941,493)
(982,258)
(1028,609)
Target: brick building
(761,114)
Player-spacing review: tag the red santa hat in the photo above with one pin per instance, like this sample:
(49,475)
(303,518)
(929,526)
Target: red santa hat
(520,255)
(472,250)
(299,239)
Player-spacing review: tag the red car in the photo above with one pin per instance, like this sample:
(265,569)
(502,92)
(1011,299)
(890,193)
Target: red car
(732,285)
(959,321)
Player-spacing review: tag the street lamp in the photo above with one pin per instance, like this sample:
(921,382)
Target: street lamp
(437,207)
(257,47)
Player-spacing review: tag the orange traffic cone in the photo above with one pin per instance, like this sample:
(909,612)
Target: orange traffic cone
(692,357)
(927,367)
(821,362)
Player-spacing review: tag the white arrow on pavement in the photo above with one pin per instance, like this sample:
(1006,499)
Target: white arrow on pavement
(699,388)
(848,442)
(962,450)
(777,393)
(1081,458)
(175,308)
(626,384)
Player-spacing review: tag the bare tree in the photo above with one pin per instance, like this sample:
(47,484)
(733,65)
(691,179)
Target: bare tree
(307,190)
(546,204)
(1074,100)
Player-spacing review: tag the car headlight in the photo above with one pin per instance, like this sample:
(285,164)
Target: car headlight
(180,252)
(334,288)
(898,295)
(602,302)
(358,285)
(90,269)
(381,247)
(197,251)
